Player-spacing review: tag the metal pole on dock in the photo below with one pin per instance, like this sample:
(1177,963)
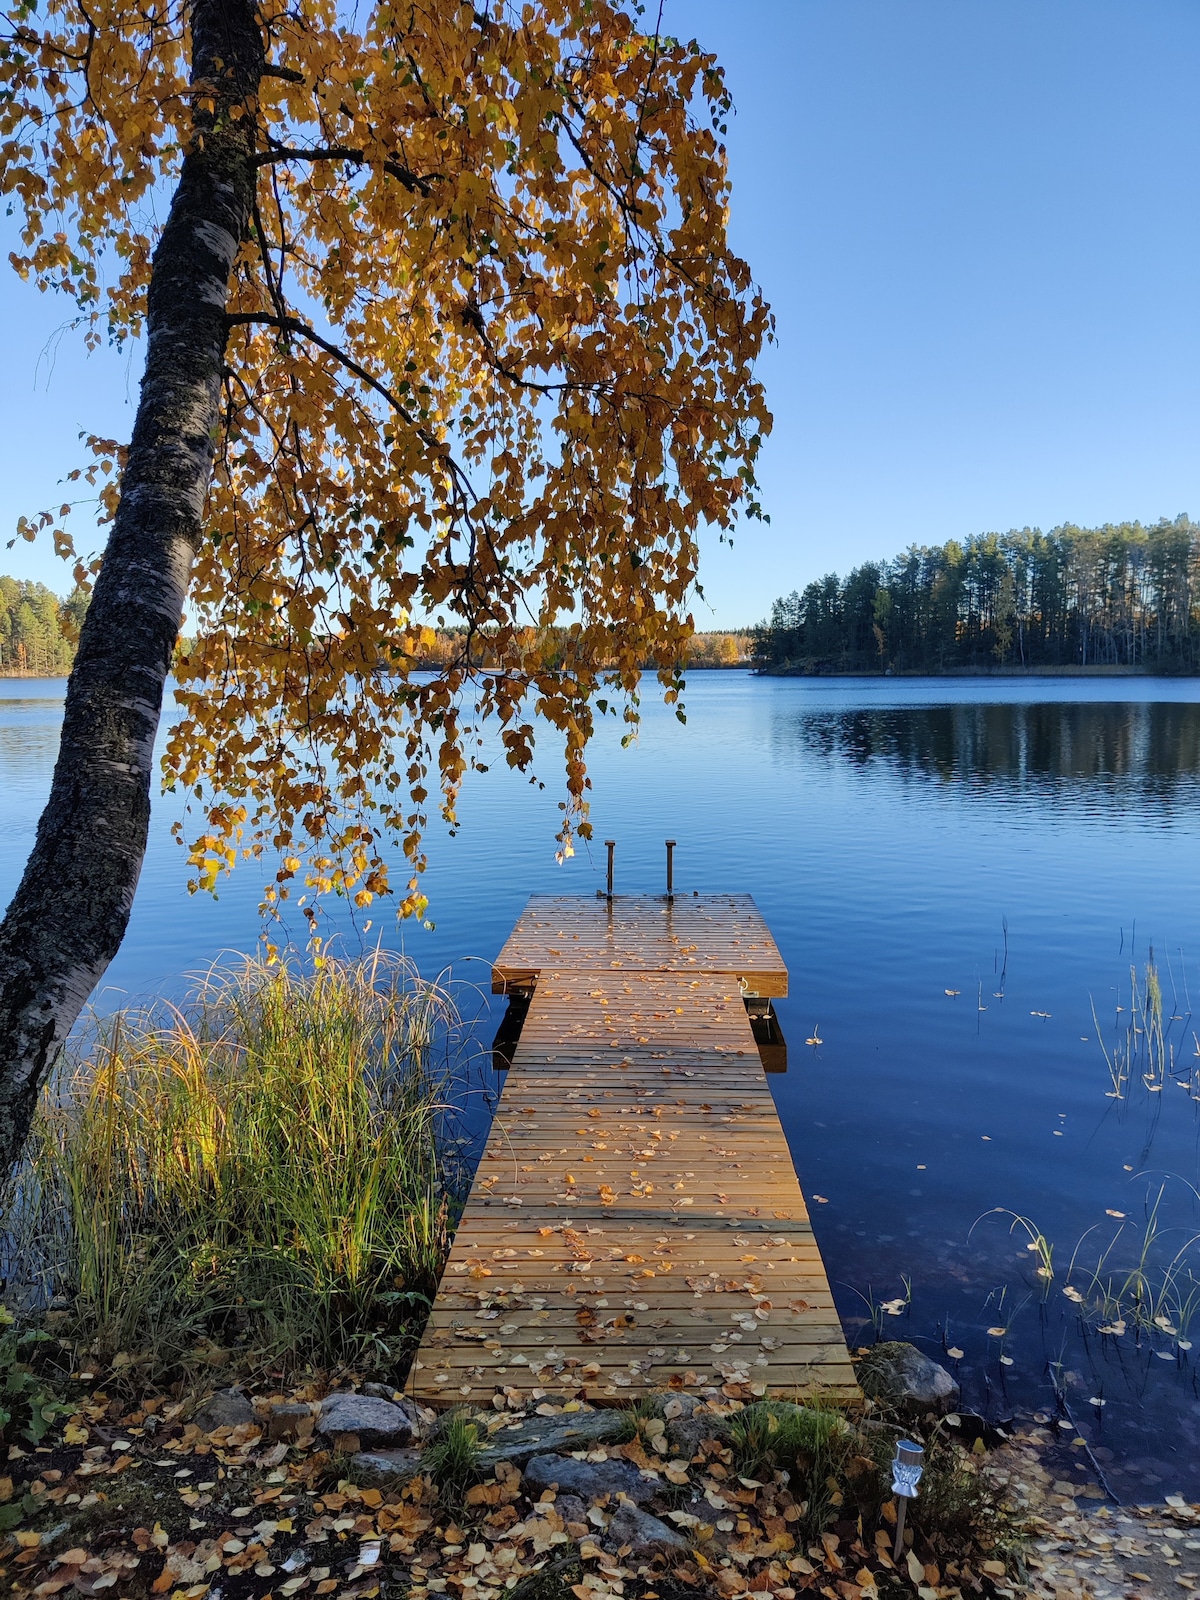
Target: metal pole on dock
(670,869)
(610,845)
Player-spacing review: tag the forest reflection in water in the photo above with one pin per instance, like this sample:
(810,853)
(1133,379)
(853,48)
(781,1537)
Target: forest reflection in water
(1014,747)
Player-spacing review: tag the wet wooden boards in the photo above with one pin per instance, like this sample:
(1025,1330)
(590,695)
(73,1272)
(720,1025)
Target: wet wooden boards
(722,933)
(635,1222)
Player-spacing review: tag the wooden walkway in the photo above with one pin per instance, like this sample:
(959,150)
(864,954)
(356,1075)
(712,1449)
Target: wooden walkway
(635,1222)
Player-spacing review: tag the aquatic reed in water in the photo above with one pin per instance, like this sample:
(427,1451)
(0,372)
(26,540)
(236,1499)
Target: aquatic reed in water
(1142,1045)
(253,1176)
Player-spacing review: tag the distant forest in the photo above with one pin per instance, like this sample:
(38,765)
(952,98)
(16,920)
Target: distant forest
(1122,595)
(37,630)
(33,642)
(711,649)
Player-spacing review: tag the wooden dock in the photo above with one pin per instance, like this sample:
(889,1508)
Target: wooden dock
(635,1223)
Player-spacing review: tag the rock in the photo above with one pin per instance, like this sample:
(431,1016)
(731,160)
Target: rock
(897,1374)
(367,1419)
(643,1534)
(571,1509)
(678,1406)
(684,1437)
(289,1421)
(393,1465)
(591,1480)
(686,1431)
(535,1436)
(228,1408)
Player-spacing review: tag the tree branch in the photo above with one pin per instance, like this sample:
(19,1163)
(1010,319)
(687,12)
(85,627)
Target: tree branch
(291,324)
(410,180)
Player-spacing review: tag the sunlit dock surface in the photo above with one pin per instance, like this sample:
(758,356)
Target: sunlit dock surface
(636,1223)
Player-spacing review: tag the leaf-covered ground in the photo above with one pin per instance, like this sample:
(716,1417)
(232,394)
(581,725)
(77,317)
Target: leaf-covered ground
(140,1501)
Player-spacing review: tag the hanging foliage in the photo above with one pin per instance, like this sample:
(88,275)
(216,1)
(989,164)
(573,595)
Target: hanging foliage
(489,368)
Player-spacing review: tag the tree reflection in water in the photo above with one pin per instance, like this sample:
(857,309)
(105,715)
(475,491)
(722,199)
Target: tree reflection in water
(1089,748)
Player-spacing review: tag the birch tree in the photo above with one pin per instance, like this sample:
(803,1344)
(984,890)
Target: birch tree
(442,327)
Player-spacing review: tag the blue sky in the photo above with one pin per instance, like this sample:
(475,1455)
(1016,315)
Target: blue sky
(977,221)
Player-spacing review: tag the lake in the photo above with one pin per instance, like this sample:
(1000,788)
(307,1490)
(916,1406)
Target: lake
(960,874)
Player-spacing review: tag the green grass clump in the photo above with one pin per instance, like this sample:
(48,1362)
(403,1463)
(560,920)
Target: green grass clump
(640,1420)
(251,1177)
(771,1435)
(813,1442)
(451,1459)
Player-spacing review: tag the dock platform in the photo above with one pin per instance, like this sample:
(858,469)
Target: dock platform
(636,1223)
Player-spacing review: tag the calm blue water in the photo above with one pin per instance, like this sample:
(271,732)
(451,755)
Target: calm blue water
(1019,843)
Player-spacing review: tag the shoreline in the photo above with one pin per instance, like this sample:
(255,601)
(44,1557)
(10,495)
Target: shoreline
(1103,671)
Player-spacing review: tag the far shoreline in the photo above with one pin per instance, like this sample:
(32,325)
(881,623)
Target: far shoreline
(909,675)
(1101,671)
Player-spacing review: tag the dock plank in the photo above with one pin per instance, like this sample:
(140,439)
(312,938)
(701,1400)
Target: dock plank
(636,1222)
(698,933)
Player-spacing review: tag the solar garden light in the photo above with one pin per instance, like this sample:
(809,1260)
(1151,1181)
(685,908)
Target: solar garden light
(906,1475)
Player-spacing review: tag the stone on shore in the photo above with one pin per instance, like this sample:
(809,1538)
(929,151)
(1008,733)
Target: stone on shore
(365,1418)
(642,1535)
(590,1480)
(389,1465)
(228,1408)
(898,1374)
(536,1436)
(289,1420)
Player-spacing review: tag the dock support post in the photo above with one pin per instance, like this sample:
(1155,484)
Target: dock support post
(670,869)
(610,845)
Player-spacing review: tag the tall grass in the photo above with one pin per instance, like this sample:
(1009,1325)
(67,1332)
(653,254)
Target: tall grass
(252,1176)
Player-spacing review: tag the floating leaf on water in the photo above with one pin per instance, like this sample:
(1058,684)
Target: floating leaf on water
(954,1353)
(1096,1400)
(1109,1212)
(953,991)
(997,1333)
(1006,1361)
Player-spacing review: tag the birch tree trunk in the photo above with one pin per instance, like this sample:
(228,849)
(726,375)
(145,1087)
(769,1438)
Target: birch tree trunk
(69,914)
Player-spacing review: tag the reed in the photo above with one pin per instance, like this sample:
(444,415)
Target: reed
(1143,1043)
(253,1176)
(1148,1295)
(1037,1243)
